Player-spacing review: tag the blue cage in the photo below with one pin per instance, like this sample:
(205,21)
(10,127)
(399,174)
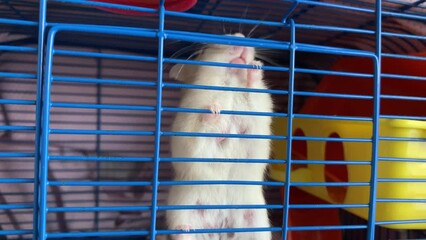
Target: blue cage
(87,106)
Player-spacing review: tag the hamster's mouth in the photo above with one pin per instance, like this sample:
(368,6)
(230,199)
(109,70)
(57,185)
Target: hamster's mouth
(243,54)
(238,60)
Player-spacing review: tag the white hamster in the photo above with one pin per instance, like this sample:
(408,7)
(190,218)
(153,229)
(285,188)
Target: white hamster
(227,148)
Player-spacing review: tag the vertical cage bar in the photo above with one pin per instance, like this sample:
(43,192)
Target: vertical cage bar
(289,129)
(159,107)
(376,125)
(44,166)
(98,136)
(39,95)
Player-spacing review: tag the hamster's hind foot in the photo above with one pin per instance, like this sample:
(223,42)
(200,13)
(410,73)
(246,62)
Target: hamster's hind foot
(183,237)
(185,228)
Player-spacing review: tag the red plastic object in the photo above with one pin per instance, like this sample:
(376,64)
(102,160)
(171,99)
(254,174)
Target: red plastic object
(311,217)
(365,86)
(171,5)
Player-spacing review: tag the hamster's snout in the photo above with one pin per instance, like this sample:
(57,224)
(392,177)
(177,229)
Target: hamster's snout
(241,54)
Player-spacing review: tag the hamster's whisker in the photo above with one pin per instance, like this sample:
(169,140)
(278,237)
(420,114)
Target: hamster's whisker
(190,56)
(267,59)
(267,36)
(251,31)
(257,25)
(188,48)
(244,16)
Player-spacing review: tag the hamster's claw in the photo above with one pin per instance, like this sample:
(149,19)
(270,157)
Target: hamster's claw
(257,64)
(185,228)
(215,108)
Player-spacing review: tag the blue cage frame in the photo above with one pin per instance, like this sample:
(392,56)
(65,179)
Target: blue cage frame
(47,32)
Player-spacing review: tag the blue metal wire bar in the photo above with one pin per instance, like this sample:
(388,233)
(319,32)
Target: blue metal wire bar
(43,164)
(101,106)
(76,53)
(233,112)
(326,206)
(18,75)
(103,132)
(98,209)
(334,28)
(322,162)
(273,161)
(225,19)
(100,158)
(327,117)
(15,232)
(18,22)
(329,184)
(160,208)
(17,102)
(17,128)
(376,124)
(392,55)
(207,38)
(311,138)
(398,76)
(172,183)
(395,159)
(100,183)
(16,155)
(207,207)
(148,159)
(401,222)
(223,64)
(221,230)
(15,206)
(402,180)
(97,234)
(248,136)
(159,106)
(290,104)
(334,95)
(17,48)
(153,84)
(404,15)
(103,81)
(174,61)
(384,96)
(332,72)
(323,228)
(398,200)
(390,34)
(403,117)
(16,180)
(402,139)
(234,89)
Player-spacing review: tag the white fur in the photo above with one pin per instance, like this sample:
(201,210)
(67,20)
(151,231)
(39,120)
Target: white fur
(230,148)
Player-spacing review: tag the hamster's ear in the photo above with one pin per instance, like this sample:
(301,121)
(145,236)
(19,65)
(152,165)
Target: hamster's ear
(177,72)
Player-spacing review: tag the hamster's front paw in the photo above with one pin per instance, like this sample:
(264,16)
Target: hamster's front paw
(215,115)
(254,75)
